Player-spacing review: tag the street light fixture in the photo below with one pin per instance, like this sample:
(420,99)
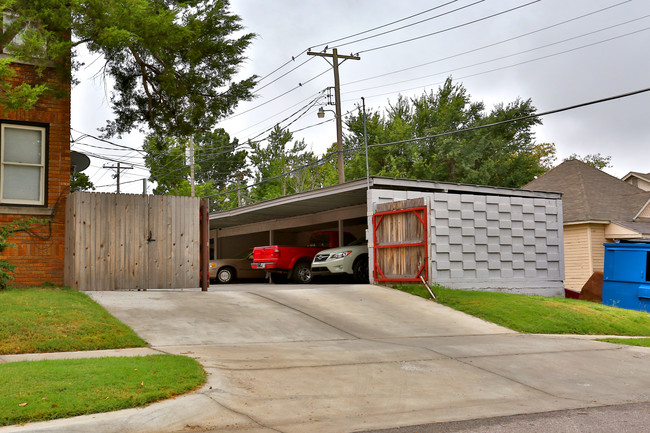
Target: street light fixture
(321,112)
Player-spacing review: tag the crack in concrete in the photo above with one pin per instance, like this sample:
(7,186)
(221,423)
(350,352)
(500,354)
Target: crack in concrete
(245,415)
(306,314)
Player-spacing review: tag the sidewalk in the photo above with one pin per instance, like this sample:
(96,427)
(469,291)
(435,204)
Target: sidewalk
(337,359)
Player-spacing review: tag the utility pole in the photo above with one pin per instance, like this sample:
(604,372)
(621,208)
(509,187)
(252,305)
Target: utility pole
(118,169)
(365,141)
(337,96)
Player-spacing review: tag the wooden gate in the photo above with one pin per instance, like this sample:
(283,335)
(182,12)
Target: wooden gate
(400,241)
(125,241)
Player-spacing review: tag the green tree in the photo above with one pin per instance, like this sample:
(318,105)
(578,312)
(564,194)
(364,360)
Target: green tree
(595,160)
(218,166)
(80,182)
(502,155)
(36,32)
(278,157)
(172,63)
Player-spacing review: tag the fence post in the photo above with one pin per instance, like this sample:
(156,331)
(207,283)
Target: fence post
(204,236)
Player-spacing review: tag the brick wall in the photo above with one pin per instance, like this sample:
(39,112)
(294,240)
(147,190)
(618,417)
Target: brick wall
(39,254)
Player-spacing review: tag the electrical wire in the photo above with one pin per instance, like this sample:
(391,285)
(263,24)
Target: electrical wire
(412,24)
(390,45)
(279,112)
(449,28)
(106,141)
(507,66)
(277,97)
(491,45)
(326,44)
(304,110)
(523,52)
(443,134)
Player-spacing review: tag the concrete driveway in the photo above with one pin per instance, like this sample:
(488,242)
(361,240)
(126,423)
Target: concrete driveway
(329,358)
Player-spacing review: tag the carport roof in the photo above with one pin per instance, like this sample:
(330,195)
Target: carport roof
(349,194)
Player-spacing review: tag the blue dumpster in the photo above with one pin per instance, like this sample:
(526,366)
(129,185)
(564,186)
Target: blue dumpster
(626,277)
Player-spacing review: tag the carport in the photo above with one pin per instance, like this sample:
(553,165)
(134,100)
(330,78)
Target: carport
(473,237)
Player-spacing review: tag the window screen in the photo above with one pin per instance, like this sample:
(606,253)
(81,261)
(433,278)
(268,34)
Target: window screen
(22,168)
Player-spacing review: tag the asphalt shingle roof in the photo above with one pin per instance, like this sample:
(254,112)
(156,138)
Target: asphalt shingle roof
(591,194)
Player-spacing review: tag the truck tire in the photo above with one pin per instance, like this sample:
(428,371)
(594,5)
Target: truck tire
(301,273)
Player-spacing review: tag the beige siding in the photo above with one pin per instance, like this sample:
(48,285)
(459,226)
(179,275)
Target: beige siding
(597,248)
(643,184)
(583,253)
(645,213)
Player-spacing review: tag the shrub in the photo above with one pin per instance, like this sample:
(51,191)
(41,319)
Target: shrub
(6,231)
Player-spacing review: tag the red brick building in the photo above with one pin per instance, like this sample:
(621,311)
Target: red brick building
(34,182)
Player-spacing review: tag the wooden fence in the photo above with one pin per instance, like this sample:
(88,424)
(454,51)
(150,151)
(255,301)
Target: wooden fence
(126,242)
(400,241)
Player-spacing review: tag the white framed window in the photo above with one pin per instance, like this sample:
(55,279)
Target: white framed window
(22,164)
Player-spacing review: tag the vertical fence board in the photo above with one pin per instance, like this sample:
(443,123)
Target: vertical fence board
(397,226)
(70,235)
(108,248)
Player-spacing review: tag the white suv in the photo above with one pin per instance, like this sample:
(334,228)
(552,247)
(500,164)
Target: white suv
(351,259)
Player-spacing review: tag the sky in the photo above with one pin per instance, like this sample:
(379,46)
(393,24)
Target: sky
(558,53)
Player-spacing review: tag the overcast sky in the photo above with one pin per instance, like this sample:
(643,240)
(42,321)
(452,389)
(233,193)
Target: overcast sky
(600,50)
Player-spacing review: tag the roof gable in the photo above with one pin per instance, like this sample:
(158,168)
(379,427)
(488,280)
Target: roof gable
(643,176)
(591,194)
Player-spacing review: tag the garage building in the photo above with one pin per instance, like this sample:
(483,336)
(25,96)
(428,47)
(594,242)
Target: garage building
(460,236)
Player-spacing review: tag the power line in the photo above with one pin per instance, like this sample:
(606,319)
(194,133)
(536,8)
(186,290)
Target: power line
(395,22)
(285,74)
(449,28)
(304,110)
(279,112)
(518,119)
(443,134)
(523,52)
(492,44)
(502,67)
(277,97)
(105,141)
(388,45)
(412,24)
(326,44)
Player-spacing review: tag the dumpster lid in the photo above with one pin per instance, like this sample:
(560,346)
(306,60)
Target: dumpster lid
(635,241)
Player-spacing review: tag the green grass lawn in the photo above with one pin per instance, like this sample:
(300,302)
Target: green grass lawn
(45,390)
(541,315)
(642,342)
(61,320)
(35,320)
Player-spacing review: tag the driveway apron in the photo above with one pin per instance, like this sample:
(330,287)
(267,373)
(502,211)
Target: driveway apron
(328,358)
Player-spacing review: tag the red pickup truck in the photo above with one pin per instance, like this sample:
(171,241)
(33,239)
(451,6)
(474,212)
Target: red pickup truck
(296,261)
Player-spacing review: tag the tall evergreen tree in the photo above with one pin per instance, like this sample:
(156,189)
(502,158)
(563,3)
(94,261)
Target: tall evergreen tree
(172,62)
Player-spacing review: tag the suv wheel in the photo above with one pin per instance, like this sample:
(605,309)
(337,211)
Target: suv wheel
(302,273)
(360,269)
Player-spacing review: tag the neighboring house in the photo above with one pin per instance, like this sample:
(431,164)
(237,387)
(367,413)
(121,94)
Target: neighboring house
(34,182)
(597,208)
(640,180)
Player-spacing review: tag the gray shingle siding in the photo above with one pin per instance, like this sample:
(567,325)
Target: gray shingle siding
(494,242)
